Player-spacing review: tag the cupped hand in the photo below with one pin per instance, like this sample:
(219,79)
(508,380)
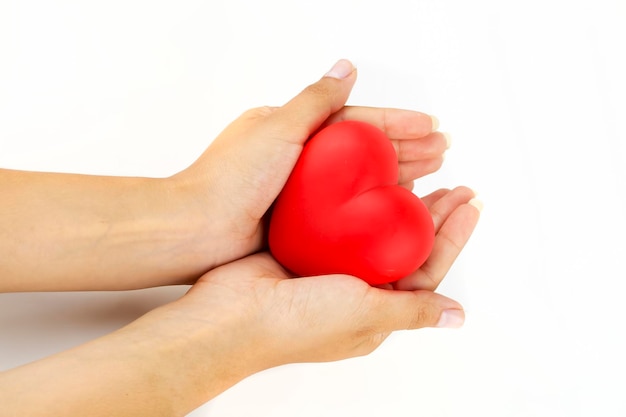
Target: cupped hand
(271,318)
(229,189)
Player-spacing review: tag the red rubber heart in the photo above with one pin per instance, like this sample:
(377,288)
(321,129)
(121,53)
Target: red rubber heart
(342,210)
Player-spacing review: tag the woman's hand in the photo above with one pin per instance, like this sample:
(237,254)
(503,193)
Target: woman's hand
(228,190)
(239,319)
(82,232)
(279,319)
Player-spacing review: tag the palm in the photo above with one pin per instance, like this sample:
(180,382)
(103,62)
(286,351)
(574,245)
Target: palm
(333,316)
(308,318)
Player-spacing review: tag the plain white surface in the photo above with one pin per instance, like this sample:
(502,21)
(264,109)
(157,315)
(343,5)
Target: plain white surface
(533,94)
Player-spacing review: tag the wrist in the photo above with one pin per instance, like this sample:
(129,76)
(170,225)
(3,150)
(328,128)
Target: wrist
(159,365)
(184,234)
(150,238)
(219,229)
(196,357)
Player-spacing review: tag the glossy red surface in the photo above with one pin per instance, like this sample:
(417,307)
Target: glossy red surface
(341,211)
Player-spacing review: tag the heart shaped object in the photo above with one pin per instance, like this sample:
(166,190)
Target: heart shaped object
(342,210)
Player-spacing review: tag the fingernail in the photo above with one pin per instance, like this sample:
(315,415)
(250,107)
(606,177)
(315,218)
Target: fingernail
(435,122)
(341,69)
(448,139)
(476,203)
(451,318)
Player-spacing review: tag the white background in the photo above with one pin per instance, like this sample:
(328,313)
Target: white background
(533,94)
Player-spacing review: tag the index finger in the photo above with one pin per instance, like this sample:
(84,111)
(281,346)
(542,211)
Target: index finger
(396,123)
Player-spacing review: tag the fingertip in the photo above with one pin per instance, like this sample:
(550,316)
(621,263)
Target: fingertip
(341,70)
(308,110)
(476,203)
(434,122)
(448,138)
(451,318)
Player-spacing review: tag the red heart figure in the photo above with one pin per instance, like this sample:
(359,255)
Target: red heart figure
(342,210)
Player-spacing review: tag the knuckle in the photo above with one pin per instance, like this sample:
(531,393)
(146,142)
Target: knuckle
(365,333)
(258,112)
(369,343)
(423,316)
(318,90)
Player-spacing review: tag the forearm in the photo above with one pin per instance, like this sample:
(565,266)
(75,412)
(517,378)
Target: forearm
(156,366)
(79,232)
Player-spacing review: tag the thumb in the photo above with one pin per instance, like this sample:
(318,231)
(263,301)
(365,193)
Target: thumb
(303,114)
(402,310)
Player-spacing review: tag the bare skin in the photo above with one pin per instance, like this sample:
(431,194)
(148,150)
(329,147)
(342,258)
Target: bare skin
(206,225)
(70,232)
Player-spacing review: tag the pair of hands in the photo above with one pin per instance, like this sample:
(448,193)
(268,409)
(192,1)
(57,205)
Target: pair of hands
(206,225)
(291,319)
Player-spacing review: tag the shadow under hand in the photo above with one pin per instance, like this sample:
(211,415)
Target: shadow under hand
(35,325)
